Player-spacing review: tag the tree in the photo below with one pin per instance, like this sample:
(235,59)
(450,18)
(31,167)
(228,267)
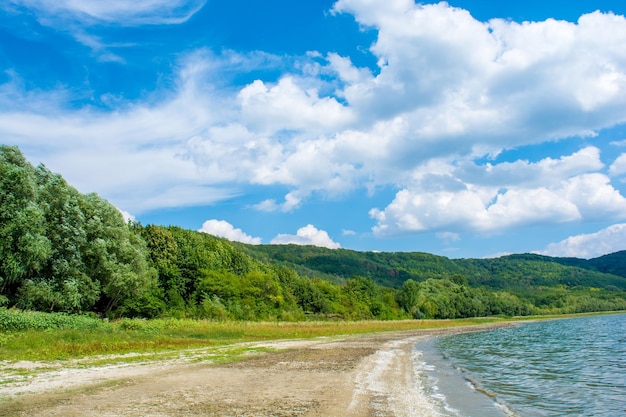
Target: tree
(362,297)
(61,250)
(64,283)
(24,247)
(115,256)
(408,298)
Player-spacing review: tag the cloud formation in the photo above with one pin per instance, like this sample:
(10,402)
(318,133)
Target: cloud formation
(608,240)
(618,167)
(307,235)
(448,92)
(116,12)
(493,198)
(226,230)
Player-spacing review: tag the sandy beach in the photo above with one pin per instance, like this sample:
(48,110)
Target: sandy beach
(369,375)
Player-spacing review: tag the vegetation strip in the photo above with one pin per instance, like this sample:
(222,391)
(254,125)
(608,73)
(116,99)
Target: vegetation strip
(163,335)
(63,251)
(139,339)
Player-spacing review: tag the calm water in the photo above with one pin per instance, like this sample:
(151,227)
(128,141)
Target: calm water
(573,367)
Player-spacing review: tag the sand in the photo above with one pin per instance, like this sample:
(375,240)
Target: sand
(371,375)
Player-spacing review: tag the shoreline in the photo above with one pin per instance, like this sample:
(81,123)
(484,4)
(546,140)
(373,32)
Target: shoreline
(357,375)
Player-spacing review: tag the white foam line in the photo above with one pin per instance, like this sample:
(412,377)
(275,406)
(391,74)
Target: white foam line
(388,382)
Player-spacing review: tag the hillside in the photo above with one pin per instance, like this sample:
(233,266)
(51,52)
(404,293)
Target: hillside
(613,263)
(63,251)
(388,269)
(520,272)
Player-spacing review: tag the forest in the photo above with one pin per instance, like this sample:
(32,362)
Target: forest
(63,251)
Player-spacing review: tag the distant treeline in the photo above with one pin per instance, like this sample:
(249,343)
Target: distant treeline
(63,251)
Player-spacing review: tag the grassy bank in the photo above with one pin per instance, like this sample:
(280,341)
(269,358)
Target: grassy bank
(41,336)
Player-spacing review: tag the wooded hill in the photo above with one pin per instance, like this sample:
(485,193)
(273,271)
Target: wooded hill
(512,272)
(63,251)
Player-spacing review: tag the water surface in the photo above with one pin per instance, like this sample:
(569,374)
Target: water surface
(571,367)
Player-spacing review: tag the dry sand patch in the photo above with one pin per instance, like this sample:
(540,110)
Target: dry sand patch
(368,375)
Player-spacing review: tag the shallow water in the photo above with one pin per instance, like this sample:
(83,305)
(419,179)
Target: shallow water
(572,367)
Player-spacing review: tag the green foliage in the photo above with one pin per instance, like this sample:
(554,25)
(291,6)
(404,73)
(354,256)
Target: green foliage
(17,320)
(613,263)
(392,269)
(23,245)
(523,278)
(408,298)
(252,296)
(63,251)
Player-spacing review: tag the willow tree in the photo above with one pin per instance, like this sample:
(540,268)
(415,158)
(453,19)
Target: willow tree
(61,250)
(24,247)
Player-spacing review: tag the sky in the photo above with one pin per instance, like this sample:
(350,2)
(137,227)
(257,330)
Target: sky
(466,129)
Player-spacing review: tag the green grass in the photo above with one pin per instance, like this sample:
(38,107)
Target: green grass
(65,339)
(76,337)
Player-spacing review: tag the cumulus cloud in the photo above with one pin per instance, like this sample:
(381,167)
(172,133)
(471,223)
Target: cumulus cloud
(594,197)
(498,82)
(516,84)
(522,172)
(473,199)
(307,235)
(447,91)
(618,167)
(609,240)
(226,230)
(287,106)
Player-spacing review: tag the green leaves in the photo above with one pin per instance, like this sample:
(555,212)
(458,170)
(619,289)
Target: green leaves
(61,250)
(23,244)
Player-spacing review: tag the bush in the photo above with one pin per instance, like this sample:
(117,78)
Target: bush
(18,320)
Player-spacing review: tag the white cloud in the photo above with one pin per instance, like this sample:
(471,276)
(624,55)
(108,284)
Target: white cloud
(287,106)
(618,167)
(545,172)
(595,197)
(226,230)
(609,240)
(117,12)
(167,151)
(466,210)
(499,83)
(292,202)
(448,90)
(84,19)
(493,198)
(307,235)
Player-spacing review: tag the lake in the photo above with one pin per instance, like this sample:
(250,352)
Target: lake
(569,367)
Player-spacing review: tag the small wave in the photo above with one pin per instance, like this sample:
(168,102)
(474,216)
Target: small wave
(508,412)
(582,359)
(474,385)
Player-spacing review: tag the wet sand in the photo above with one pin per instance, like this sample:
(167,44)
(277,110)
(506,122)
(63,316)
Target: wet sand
(370,375)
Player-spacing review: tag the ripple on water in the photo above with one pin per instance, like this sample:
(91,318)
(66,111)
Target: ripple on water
(552,368)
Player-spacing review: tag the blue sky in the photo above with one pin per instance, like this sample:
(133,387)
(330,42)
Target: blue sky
(465,129)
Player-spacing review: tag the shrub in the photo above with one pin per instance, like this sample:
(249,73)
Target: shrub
(18,320)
